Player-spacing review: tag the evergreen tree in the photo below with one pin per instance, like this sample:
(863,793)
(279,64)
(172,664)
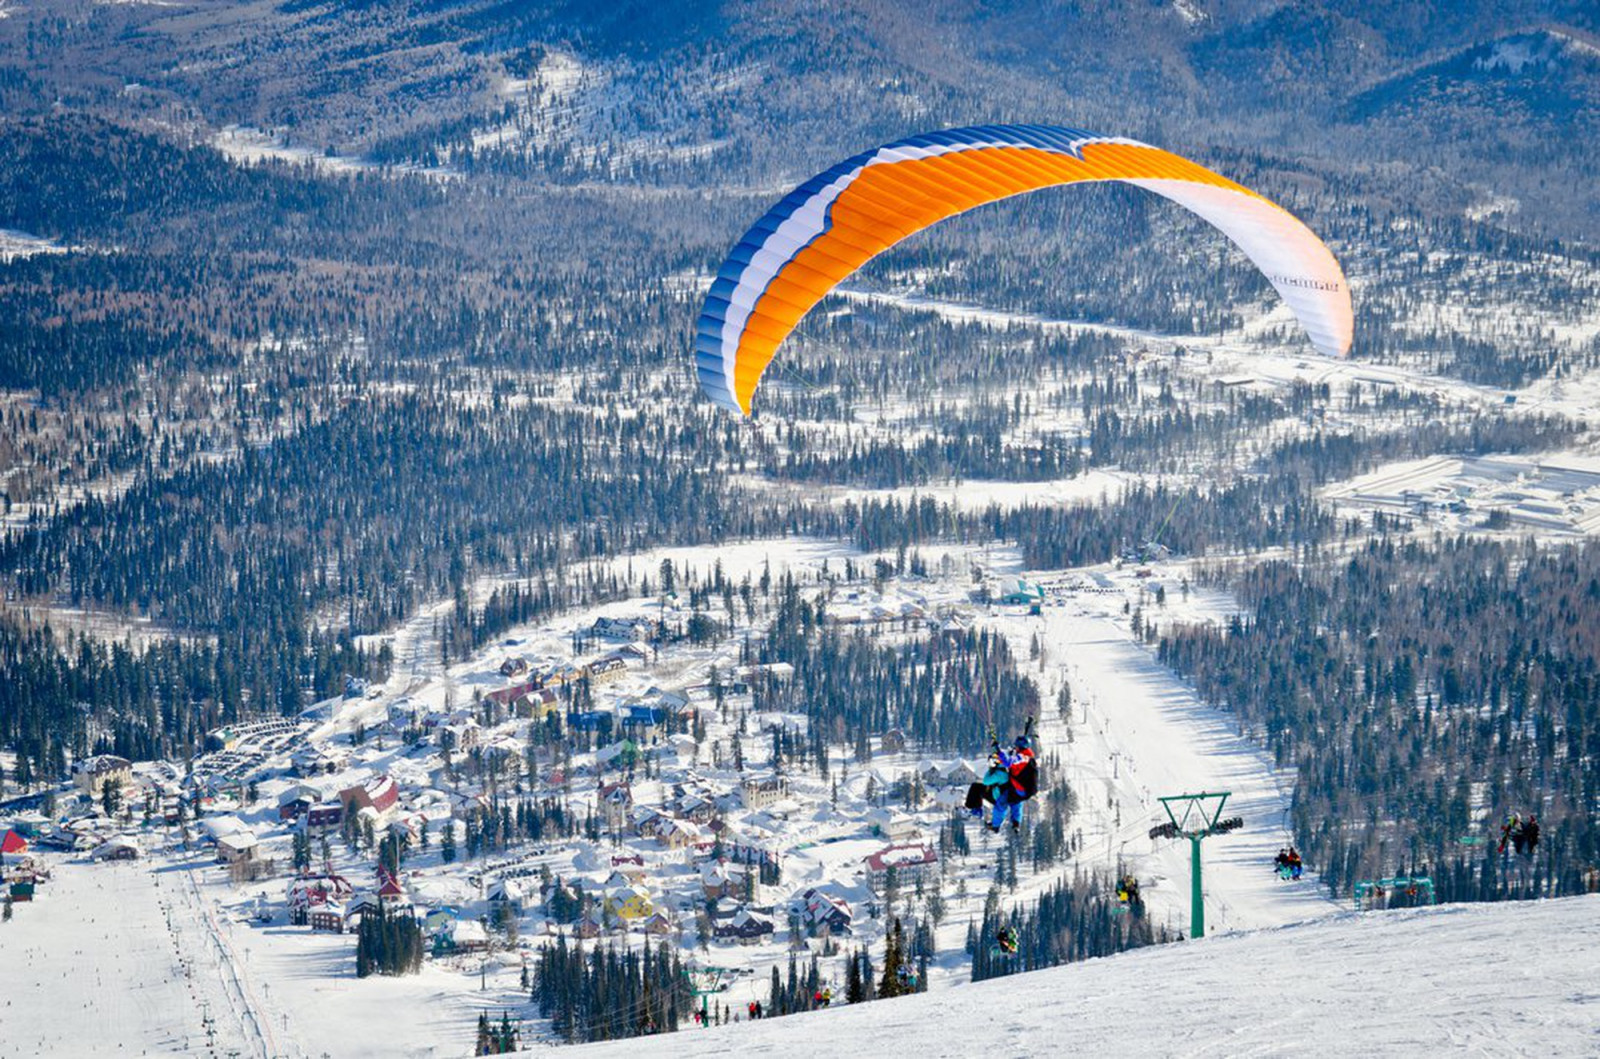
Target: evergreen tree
(894,955)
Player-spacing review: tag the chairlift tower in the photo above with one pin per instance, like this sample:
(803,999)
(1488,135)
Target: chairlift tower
(1195,817)
(703,981)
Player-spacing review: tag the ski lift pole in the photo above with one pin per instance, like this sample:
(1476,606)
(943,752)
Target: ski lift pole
(1195,817)
(1197,903)
(702,983)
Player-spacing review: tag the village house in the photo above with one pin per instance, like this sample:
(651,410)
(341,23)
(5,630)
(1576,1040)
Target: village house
(360,905)
(507,892)
(672,701)
(769,672)
(467,935)
(648,821)
(822,911)
(92,774)
(629,902)
(464,804)
(630,865)
(678,834)
(328,917)
(644,722)
(909,862)
(297,801)
(379,795)
(742,849)
(390,892)
(625,629)
(959,776)
(312,760)
(695,805)
(589,720)
(311,891)
(537,704)
(614,801)
(514,666)
(328,816)
(408,827)
(896,827)
(461,737)
(892,742)
(117,849)
(438,920)
(237,846)
(759,794)
(719,879)
(746,926)
(605,670)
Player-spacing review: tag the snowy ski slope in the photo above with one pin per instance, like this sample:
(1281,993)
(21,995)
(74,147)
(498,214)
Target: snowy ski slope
(1508,979)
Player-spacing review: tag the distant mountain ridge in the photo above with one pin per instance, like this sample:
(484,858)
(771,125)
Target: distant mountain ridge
(746,93)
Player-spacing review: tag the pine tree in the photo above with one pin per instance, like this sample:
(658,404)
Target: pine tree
(893,960)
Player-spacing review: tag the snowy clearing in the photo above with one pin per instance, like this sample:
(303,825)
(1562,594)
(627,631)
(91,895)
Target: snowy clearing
(245,145)
(15,244)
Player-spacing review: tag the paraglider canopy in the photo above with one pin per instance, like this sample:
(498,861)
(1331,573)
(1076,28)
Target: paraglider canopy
(841,218)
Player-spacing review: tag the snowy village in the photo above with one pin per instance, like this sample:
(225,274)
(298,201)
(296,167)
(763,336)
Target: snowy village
(609,781)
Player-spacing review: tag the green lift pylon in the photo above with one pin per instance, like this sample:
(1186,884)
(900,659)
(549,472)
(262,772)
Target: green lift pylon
(703,982)
(1195,817)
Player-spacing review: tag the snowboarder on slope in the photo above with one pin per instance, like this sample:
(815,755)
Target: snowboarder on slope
(1006,937)
(1530,836)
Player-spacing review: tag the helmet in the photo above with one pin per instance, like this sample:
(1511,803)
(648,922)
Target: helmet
(1021,743)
